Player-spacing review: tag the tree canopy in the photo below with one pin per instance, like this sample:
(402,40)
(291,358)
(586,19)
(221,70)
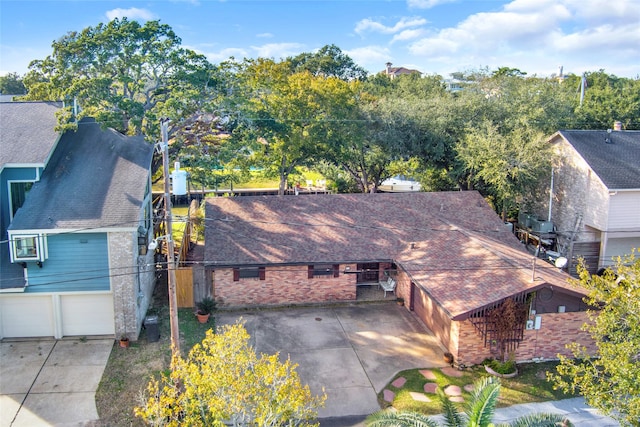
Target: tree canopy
(610,379)
(224,382)
(321,111)
(122,73)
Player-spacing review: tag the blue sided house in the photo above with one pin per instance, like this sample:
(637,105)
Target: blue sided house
(76,219)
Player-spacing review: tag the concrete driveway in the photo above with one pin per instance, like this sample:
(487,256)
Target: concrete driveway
(351,352)
(51,382)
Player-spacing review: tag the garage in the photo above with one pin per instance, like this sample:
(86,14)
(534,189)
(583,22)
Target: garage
(56,315)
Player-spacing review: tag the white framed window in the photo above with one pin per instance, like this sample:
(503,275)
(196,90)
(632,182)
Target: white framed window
(27,247)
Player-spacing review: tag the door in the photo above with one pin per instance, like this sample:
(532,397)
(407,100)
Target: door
(368,272)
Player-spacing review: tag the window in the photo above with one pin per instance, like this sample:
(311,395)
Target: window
(19,192)
(25,248)
(318,270)
(249,273)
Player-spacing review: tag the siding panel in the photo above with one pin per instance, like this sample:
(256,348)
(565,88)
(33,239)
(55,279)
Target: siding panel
(77,262)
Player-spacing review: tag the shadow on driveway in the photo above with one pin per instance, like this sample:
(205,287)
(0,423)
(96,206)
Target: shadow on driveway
(350,352)
(51,382)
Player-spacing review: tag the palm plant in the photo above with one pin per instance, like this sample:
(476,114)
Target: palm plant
(478,412)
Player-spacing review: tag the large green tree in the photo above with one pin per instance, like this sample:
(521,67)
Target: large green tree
(609,379)
(289,118)
(607,98)
(124,74)
(329,61)
(224,382)
(508,165)
(12,84)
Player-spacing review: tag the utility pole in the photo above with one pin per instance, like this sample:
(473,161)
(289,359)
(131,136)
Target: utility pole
(171,272)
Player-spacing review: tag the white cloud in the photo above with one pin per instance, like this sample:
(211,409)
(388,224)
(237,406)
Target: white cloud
(224,54)
(371,58)
(408,35)
(540,34)
(426,4)
(369,25)
(278,50)
(264,35)
(608,39)
(131,13)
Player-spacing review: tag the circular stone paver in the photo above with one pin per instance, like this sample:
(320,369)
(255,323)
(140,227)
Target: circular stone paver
(388,395)
(453,390)
(399,382)
(430,387)
(468,388)
(457,399)
(428,374)
(419,397)
(451,372)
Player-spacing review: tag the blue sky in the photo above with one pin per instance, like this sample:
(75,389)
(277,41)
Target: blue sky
(432,36)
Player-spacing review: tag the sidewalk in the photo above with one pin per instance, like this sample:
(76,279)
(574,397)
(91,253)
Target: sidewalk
(578,412)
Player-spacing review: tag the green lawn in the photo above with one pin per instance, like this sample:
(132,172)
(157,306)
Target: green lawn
(530,385)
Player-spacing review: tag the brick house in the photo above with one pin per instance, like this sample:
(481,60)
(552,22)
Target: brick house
(595,194)
(451,256)
(393,72)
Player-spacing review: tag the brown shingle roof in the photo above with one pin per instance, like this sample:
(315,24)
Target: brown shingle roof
(464,256)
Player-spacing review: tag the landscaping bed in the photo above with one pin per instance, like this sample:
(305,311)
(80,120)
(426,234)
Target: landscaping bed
(414,389)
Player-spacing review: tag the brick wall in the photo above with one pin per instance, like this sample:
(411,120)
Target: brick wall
(556,330)
(121,253)
(462,339)
(431,314)
(283,285)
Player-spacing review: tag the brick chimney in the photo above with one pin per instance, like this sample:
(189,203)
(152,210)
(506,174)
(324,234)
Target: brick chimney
(617,125)
(388,64)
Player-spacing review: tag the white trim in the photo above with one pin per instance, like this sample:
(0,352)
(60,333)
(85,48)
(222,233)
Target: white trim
(10,194)
(88,230)
(40,243)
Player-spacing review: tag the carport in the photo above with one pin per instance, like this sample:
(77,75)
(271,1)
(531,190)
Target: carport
(350,351)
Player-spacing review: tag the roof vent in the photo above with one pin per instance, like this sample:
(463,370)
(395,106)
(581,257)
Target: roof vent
(607,140)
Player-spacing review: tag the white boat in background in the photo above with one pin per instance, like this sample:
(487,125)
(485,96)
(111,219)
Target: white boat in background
(399,184)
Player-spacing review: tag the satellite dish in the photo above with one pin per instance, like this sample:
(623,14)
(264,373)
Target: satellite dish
(561,262)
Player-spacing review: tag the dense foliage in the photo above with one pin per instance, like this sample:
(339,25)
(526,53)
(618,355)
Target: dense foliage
(610,379)
(223,382)
(322,111)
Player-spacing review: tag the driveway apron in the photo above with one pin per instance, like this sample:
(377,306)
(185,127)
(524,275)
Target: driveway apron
(51,382)
(349,352)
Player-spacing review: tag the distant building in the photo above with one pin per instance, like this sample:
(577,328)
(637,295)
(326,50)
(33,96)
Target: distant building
(393,72)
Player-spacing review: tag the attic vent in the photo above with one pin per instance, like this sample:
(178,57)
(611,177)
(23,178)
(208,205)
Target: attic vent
(607,140)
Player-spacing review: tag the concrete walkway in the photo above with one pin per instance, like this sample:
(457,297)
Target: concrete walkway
(51,382)
(350,352)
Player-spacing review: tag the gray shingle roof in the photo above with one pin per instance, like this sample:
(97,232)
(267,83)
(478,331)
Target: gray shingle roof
(616,163)
(95,178)
(27,133)
(463,254)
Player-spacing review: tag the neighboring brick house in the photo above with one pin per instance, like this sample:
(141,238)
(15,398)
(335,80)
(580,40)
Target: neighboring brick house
(393,72)
(451,255)
(596,194)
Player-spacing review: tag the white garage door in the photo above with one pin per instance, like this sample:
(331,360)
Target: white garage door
(56,315)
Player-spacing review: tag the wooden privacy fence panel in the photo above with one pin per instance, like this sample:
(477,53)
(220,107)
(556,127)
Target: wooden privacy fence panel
(184,287)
